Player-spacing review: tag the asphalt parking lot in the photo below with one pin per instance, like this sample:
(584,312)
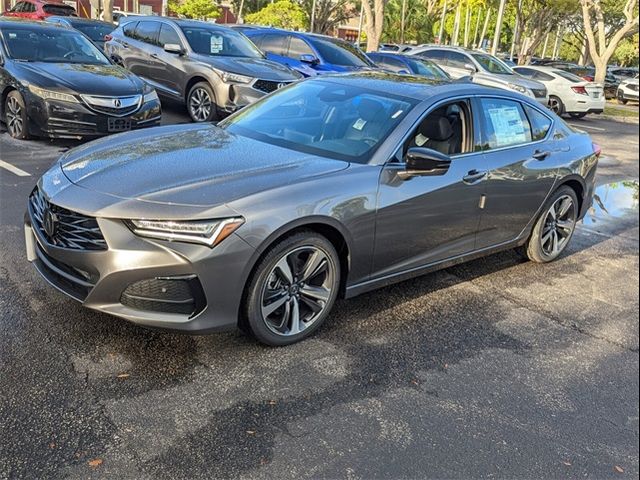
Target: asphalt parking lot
(497,368)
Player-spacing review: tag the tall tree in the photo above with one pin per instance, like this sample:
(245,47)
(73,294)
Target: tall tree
(282,14)
(602,48)
(329,14)
(373,22)
(420,17)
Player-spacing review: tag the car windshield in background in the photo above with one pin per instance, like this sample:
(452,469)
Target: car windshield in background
(427,68)
(340,53)
(218,42)
(59,10)
(95,31)
(569,76)
(323,118)
(53,45)
(492,64)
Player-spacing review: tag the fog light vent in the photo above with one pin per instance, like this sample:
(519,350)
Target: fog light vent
(179,295)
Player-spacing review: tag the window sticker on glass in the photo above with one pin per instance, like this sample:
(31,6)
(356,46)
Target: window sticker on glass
(507,125)
(216,44)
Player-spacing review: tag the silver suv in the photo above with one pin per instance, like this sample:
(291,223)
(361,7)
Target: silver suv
(213,69)
(482,68)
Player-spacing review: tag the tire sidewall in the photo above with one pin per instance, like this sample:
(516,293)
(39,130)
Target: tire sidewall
(560,111)
(25,119)
(214,106)
(253,296)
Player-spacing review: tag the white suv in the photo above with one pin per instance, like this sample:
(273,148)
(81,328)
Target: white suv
(481,68)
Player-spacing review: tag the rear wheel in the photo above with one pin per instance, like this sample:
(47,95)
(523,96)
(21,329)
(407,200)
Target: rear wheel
(15,116)
(293,289)
(556,105)
(577,114)
(621,98)
(554,228)
(201,103)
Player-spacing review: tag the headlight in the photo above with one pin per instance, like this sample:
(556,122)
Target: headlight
(52,95)
(235,77)
(205,232)
(151,96)
(517,88)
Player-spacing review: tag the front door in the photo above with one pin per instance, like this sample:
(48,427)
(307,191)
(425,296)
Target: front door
(425,219)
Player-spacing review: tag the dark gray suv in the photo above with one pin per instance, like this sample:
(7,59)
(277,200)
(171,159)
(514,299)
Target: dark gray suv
(213,69)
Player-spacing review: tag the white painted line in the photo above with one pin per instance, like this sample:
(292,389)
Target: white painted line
(14,169)
(588,127)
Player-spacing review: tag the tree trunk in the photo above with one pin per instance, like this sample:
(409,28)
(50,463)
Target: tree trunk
(107,10)
(374,20)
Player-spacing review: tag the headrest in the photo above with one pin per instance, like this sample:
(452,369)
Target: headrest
(453,109)
(369,109)
(437,128)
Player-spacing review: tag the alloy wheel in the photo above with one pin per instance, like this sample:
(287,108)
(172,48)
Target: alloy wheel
(297,290)
(559,224)
(15,124)
(554,104)
(200,105)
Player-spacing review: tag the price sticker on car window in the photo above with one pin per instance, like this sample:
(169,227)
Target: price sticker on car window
(507,125)
(216,44)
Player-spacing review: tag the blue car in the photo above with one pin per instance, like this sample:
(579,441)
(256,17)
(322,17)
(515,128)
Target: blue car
(308,53)
(404,64)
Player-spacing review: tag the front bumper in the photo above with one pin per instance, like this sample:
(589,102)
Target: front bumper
(626,93)
(133,277)
(234,96)
(56,119)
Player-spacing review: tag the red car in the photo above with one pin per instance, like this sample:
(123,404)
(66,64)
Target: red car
(39,9)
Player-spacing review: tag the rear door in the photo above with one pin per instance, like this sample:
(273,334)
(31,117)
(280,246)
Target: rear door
(145,39)
(520,152)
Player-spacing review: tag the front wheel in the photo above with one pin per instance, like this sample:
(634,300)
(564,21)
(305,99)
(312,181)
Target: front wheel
(577,115)
(201,103)
(554,228)
(292,289)
(15,116)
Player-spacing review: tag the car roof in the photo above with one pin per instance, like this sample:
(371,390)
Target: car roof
(256,28)
(80,20)
(181,22)
(27,24)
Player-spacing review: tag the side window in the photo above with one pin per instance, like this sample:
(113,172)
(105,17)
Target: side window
(168,35)
(543,77)
(18,7)
(436,56)
(396,65)
(298,47)
(526,72)
(273,43)
(445,130)
(256,39)
(29,7)
(504,123)
(540,123)
(129,29)
(456,60)
(147,32)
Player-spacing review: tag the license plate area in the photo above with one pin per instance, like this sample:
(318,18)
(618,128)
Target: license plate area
(118,124)
(595,94)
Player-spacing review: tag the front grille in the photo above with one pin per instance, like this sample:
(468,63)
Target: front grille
(181,295)
(113,106)
(540,92)
(74,282)
(63,228)
(268,86)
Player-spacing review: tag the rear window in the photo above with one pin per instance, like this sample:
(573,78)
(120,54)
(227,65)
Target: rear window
(59,10)
(95,31)
(568,76)
(340,53)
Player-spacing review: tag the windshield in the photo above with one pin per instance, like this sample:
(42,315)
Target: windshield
(340,53)
(95,31)
(569,76)
(492,64)
(427,68)
(219,42)
(323,118)
(51,45)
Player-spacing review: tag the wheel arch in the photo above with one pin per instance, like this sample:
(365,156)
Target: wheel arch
(192,81)
(577,183)
(3,97)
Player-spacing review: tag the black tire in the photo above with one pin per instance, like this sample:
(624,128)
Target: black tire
(535,249)
(577,115)
(202,94)
(621,99)
(15,116)
(265,278)
(556,105)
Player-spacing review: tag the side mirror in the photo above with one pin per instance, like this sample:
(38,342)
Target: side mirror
(310,59)
(173,48)
(470,67)
(424,161)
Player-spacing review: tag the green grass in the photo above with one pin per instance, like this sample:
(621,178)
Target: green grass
(615,111)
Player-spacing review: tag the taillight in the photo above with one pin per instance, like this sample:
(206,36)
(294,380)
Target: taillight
(596,149)
(580,90)
(588,78)
(108,38)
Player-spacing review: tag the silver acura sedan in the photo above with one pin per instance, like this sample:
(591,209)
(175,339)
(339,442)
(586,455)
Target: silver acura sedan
(332,186)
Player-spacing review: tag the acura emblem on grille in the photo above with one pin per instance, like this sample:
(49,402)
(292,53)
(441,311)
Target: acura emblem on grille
(49,223)
(117,103)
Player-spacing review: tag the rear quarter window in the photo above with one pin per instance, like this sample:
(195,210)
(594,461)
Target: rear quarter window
(540,123)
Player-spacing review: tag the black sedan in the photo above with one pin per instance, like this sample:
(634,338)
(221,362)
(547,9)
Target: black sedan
(56,83)
(405,64)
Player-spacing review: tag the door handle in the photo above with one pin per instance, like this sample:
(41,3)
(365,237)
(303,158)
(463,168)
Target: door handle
(541,155)
(474,176)
(154,55)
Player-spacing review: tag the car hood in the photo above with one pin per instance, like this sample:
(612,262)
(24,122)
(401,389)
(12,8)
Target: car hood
(189,165)
(106,80)
(252,67)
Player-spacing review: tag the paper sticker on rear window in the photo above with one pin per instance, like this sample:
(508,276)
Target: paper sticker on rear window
(216,44)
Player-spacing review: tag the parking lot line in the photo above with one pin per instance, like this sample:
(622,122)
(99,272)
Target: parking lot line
(14,169)
(588,127)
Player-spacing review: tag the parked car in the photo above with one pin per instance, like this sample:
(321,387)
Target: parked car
(568,93)
(623,73)
(330,187)
(589,74)
(120,16)
(628,90)
(308,53)
(96,30)
(40,9)
(56,83)
(481,68)
(213,69)
(400,63)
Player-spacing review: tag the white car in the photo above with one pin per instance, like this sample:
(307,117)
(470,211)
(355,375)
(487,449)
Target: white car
(628,90)
(568,93)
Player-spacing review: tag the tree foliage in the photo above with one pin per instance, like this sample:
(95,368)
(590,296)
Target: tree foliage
(419,19)
(329,14)
(197,9)
(626,55)
(282,14)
